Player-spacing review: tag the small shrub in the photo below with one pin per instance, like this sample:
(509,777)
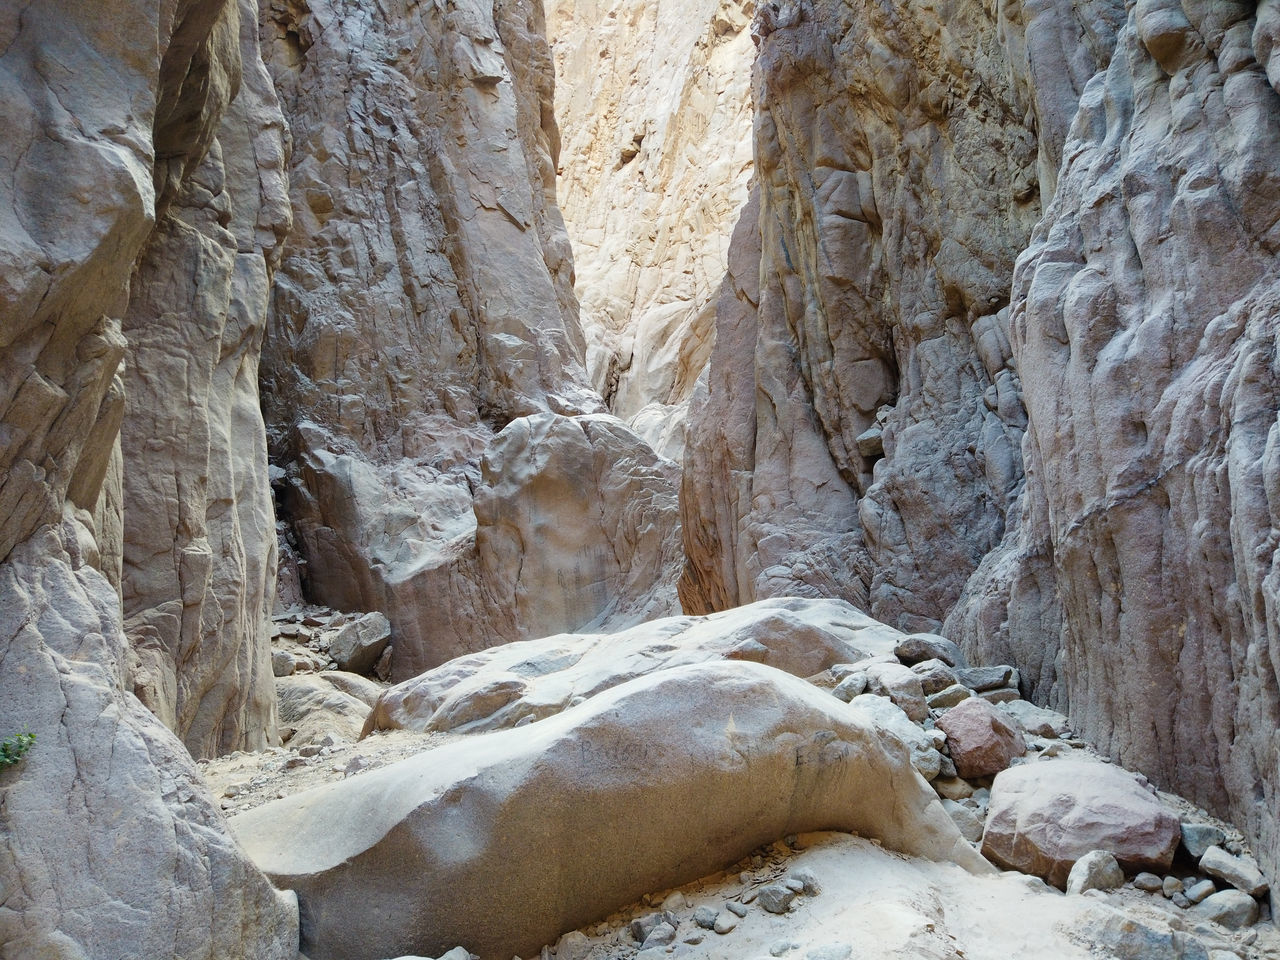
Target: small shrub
(14,748)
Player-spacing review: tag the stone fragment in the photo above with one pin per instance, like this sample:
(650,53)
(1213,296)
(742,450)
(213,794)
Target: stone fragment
(919,647)
(641,927)
(315,705)
(1044,816)
(1001,696)
(283,663)
(1234,909)
(1037,721)
(934,676)
(949,697)
(965,819)
(725,922)
(851,686)
(1197,838)
(952,788)
(1096,870)
(980,739)
(1171,885)
(979,679)
(1199,890)
(1241,872)
(705,917)
(1149,882)
(357,646)
(808,881)
(736,908)
(432,834)
(776,897)
(900,685)
(661,935)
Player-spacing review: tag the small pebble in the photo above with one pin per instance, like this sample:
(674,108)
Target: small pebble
(1198,891)
(725,921)
(705,917)
(780,947)
(777,898)
(1180,900)
(808,882)
(794,885)
(736,908)
(1148,882)
(664,934)
(1171,886)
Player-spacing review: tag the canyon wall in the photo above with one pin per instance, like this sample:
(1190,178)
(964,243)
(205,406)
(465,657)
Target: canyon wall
(1144,321)
(109,843)
(443,457)
(995,355)
(654,100)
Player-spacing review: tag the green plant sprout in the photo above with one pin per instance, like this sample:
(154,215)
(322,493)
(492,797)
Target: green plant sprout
(12,749)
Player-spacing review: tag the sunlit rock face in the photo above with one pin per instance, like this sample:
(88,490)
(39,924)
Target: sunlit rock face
(424,364)
(654,105)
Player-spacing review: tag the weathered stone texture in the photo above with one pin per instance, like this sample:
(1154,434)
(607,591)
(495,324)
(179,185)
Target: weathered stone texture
(423,383)
(1144,322)
(199,539)
(867,385)
(654,101)
(109,843)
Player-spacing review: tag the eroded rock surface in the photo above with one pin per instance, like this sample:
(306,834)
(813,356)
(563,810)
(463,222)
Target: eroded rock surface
(654,101)
(423,374)
(428,852)
(1148,367)
(115,116)
(527,681)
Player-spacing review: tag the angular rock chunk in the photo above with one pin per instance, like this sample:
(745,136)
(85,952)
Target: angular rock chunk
(359,644)
(1044,816)
(1241,872)
(1231,908)
(919,647)
(721,758)
(981,740)
(1096,870)
(499,687)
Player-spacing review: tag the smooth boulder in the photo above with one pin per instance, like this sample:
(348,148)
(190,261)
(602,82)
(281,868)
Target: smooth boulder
(1044,816)
(499,687)
(504,841)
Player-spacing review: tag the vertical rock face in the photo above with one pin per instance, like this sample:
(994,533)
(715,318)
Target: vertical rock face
(1144,322)
(1068,463)
(199,536)
(109,844)
(654,99)
(424,311)
(874,437)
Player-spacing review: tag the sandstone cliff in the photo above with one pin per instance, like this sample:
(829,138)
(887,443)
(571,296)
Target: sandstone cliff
(655,103)
(109,842)
(444,456)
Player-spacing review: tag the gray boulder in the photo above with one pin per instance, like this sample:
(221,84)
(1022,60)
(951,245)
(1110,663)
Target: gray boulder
(721,758)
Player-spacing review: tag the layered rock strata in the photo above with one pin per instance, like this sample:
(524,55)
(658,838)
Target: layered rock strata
(109,842)
(655,103)
(423,376)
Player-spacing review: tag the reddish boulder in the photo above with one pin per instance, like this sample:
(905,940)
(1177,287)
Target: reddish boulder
(981,738)
(1044,816)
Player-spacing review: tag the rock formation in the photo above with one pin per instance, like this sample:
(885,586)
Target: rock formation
(521,682)
(1066,461)
(109,842)
(199,552)
(423,375)
(655,106)
(557,824)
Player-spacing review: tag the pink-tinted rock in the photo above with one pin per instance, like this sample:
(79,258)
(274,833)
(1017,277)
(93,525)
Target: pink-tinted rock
(981,739)
(1044,816)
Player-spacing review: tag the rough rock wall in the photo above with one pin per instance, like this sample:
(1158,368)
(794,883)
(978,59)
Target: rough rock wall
(109,843)
(859,432)
(1145,316)
(199,531)
(654,101)
(425,310)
